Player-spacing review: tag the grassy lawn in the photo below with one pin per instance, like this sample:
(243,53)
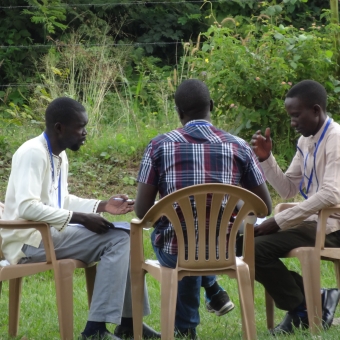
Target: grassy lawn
(39,314)
(105,166)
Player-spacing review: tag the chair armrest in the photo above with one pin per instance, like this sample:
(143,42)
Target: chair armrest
(42,227)
(136,221)
(333,212)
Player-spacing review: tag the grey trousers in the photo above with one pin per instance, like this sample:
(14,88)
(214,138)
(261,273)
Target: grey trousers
(112,289)
(283,285)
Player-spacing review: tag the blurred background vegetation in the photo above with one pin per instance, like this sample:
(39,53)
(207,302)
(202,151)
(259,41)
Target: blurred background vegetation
(123,61)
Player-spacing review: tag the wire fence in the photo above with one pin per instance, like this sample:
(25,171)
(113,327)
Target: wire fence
(128,3)
(61,44)
(118,83)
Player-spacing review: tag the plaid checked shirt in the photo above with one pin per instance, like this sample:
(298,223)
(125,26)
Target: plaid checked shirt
(195,154)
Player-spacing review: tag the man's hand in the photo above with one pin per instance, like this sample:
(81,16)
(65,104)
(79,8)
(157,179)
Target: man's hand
(93,222)
(267,227)
(262,145)
(117,205)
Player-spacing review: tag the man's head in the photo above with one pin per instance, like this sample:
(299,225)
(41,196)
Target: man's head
(306,104)
(193,101)
(65,123)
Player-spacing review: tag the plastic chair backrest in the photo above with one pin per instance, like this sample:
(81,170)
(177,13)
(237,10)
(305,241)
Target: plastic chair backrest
(205,245)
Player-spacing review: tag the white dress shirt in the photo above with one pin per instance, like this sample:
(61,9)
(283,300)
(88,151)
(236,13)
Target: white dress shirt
(32,195)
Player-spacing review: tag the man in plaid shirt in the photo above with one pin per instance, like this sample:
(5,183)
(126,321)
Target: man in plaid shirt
(195,154)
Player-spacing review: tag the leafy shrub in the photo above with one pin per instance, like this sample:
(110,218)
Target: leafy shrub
(249,76)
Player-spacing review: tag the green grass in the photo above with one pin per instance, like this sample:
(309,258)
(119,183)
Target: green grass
(106,165)
(39,313)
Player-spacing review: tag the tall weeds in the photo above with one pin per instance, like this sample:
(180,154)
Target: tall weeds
(84,73)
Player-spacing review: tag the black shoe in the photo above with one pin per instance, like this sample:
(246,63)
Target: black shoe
(330,299)
(219,303)
(189,333)
(127,332)
(289,323)
(104,336)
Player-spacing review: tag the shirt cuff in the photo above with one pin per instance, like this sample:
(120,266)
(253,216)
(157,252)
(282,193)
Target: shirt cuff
(269,162)
(95,207)
(68,219)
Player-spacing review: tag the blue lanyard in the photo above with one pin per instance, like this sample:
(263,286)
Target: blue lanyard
(310,178)
(52,166)
(198,123)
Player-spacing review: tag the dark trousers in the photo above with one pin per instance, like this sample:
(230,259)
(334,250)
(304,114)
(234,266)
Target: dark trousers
(283,285)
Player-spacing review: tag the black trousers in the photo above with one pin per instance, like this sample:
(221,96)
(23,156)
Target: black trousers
(285,286)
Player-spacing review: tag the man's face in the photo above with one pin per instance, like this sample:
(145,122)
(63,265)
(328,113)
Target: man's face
(303,119)
(74,134)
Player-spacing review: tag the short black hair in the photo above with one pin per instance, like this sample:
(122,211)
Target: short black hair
(62,110)
(192,98)
(310,92)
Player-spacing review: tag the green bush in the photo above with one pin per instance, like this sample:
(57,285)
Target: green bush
(249,76)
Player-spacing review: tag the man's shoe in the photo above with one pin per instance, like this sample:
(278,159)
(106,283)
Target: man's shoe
(104,336)
(189,333)
(289,323)
(219,303)
(127,332)
(330,299)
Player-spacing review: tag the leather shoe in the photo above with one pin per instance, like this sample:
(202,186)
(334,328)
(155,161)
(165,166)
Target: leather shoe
(289,323)
(104,336)
(127,332)
(330,299)
(188,333)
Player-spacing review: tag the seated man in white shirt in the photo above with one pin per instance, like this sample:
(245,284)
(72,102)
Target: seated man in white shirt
(37,190)
(314,173)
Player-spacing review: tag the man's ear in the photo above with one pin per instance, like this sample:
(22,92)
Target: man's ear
(211,105)
(58,128)
(317,110)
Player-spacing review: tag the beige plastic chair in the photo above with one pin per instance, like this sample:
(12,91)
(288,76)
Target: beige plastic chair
(310,258)
(63,275)
(220,264)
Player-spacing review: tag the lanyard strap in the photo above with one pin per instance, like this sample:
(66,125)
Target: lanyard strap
(52,166)
(310,179)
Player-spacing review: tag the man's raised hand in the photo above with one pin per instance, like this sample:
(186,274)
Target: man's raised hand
(262,145)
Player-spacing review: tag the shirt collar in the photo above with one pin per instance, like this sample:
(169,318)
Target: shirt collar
(192,122)
(318,134)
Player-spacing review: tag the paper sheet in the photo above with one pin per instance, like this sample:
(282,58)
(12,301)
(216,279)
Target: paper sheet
(259,221)
(121,225)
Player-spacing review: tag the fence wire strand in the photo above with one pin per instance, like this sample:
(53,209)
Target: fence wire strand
(129,3)
(60,44)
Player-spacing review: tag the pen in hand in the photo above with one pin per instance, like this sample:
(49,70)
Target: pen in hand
(121,199)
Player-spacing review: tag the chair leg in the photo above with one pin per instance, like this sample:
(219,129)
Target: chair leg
(0,288)
(249,253)
(337,272)
(310,265)
(14,305)
(90,274)
(269,310)
(137,295)
(169,288)
(246,303)
(63,274)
